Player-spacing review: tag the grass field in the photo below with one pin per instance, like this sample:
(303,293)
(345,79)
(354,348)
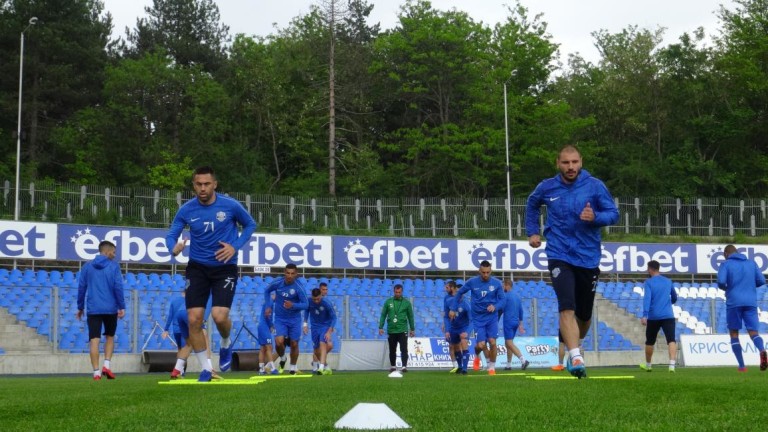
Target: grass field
(697,399)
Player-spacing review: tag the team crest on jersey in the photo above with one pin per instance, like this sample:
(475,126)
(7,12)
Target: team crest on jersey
(491,289)
(461,309)
(292,291)
(556,272)
(221,216)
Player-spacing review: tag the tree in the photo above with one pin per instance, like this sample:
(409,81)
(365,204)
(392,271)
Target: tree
(64,59)
(188,30)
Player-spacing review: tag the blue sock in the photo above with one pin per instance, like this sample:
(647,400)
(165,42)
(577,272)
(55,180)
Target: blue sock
(457,356)
(758,341)
(464,359)
(736,348)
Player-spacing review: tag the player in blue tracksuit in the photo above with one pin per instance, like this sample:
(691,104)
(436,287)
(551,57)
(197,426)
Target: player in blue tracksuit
(486,298)
(290,300)
(100,285)
(322,322)
(740,277)
(658,298)
(457,329)
(213,221)
(264,336)
(578,207)
(512,320)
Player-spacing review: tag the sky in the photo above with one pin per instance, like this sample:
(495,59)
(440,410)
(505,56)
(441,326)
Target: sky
(570,22)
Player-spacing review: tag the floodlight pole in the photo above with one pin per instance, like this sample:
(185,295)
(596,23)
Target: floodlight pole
(16,204)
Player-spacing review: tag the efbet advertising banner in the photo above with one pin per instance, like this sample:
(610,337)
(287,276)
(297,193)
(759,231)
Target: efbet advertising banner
(26,240)
(147,245)
(424,352)
(394,253)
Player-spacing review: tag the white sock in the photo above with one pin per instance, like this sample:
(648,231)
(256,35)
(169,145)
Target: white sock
(107,364)
(261,367)
(209,363)
(225,342)
(576,352)
(293,367)
(97,372)
(648,365)
(522,360)
(202,358)
(491,365)
(672,363)
(271,365)
(180,364)
(283,357)
(320,367)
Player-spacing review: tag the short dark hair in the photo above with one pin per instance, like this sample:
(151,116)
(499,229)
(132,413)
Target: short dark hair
(485,263)
(729,250)
(205,169)
(568,148)
(315,292)
(654,265)
(397,286)
(106,245)
(323,284)
(451,284)
(291,266)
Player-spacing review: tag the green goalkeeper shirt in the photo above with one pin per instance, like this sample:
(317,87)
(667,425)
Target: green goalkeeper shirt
(398,313)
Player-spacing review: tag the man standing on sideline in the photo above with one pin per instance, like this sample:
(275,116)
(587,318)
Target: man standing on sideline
(264,331)
(486,298)
(659,296)
(740,277)
(322,319)
(212,269)
(290,300)
(513,322)
(101,284)
(578,207)
(397,312)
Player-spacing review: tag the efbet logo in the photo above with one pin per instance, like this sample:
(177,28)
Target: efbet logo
(130,247)
(716,257)
(406,254)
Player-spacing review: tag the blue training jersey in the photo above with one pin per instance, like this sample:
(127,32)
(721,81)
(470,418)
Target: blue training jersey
(512,309)
(568,238)
(739,277)
(209,225)
(321,315)
(446,309)
(482,295)
(658,298)
(177,311)
(460,323)
(293,292)
(264,320)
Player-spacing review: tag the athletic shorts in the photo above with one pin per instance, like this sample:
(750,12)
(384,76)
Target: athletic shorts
(219,282)
(742,314)
(510,330)
(291,329)
(180,339)
(455,335)
(486,330)
(574,287)
(652,327)
(318,336)
(95,322)
(264,335)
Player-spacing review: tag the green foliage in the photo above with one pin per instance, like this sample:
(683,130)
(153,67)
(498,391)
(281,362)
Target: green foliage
(169,172)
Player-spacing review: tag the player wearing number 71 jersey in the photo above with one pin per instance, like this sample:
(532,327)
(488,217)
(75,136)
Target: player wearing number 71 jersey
(486,298)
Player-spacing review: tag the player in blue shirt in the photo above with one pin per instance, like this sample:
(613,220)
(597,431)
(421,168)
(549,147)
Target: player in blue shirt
(658,298)
(578,207)
(450,291)
(177,322)
(512,312)
(740,277)
(457,329)
(264,336)
(322,320)
(100,286)
(213,221)
(290,300)
(486,298)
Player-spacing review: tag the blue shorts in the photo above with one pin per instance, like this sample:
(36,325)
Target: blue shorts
(264,336)
(510,330)
(486,330)
(291,329)
(318,336)
(742,314)
(180,339)
(456,335)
